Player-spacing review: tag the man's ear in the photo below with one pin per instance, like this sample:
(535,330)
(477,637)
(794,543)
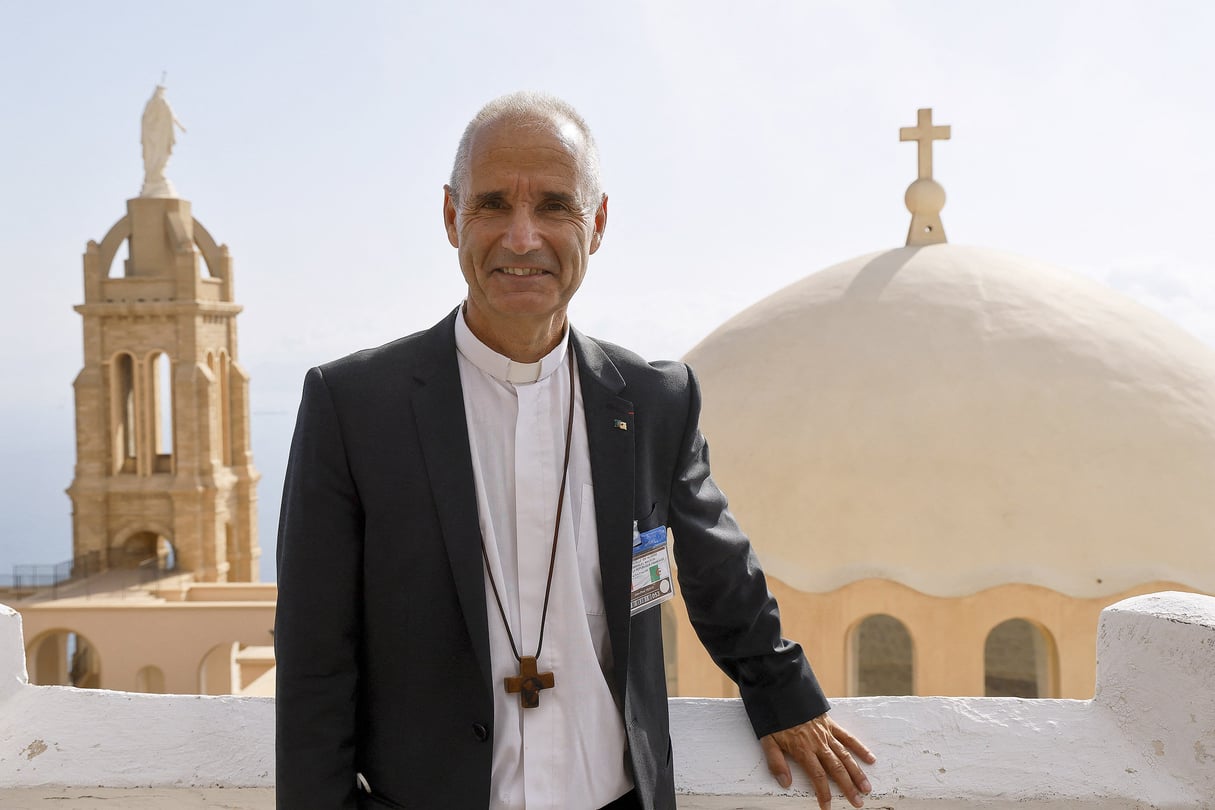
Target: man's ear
(449,217)
(600,224)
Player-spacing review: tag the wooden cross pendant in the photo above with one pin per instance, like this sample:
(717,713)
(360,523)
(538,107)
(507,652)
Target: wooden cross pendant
(529,682)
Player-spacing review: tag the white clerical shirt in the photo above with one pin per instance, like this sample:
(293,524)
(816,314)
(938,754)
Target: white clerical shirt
(569,753)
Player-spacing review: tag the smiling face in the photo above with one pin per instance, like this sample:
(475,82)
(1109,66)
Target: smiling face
(525,223)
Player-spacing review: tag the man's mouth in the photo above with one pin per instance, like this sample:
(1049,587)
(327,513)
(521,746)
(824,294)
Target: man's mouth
(521,271)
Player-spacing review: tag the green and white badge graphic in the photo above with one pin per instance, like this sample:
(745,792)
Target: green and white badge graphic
(651,570)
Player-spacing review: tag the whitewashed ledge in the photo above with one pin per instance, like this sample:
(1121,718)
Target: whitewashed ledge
(1146,740)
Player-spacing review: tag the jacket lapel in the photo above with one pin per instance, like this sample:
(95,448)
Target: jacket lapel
(612,472)
(438,404)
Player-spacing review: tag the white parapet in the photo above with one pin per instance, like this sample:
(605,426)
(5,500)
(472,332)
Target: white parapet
(13,675)
(61,736)
(1146,740)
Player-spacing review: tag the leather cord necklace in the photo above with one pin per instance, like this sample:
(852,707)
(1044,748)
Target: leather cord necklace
(529,681)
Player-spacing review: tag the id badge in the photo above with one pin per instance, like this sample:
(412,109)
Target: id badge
(651,570)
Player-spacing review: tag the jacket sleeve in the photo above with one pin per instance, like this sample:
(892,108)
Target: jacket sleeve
(317,626)
(723,586)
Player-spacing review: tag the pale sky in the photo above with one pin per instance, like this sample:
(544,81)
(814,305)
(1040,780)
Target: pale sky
(744,146)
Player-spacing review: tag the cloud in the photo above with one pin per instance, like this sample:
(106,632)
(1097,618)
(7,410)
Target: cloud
(1182,292)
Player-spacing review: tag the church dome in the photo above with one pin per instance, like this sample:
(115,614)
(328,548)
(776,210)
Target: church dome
(955,418)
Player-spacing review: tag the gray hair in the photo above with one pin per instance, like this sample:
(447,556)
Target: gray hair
(531,108)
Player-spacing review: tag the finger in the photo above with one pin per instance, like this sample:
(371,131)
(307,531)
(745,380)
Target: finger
(853,744)
(854,770)
(778,766)
(839,773)
(818,778)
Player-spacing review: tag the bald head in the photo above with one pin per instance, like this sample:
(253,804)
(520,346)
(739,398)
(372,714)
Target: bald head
(539,111)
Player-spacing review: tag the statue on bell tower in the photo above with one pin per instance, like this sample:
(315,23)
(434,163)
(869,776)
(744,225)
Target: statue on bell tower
(158,137)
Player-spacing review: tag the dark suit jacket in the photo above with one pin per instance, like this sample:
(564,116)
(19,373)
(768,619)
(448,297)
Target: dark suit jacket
(381,636)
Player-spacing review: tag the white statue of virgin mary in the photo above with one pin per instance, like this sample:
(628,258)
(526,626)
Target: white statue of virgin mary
(158,138)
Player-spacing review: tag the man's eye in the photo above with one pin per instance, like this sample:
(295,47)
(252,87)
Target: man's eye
(554,205)
(493,205)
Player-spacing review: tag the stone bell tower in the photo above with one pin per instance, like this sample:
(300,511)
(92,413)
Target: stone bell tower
(164,470)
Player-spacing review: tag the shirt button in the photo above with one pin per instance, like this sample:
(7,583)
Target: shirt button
(480,732)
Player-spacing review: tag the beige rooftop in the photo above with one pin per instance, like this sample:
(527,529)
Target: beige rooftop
(955,418)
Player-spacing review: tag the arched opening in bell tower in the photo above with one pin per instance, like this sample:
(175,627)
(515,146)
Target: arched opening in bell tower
(120,264)
(148,551)
(162,411)
(141,407)
(123,426)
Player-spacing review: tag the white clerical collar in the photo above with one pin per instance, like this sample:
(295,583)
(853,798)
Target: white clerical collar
(501,367)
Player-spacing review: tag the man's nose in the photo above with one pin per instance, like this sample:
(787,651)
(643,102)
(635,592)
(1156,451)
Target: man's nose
(522,233)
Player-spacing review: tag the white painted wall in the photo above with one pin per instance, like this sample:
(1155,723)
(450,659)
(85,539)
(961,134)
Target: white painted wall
(1147,739)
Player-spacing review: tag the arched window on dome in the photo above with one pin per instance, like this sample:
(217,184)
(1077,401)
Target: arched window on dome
(1019,660)
(150,680)
(881,657)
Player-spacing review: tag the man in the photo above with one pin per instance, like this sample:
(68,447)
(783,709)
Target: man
(461,623)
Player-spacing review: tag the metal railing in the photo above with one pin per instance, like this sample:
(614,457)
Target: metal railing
(34,578)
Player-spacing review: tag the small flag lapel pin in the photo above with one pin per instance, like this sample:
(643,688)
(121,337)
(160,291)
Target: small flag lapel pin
(620,424)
